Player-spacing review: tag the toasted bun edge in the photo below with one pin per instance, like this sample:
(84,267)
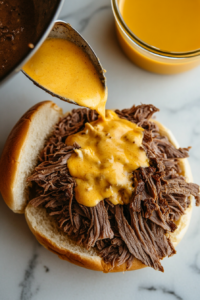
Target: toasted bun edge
(11,157)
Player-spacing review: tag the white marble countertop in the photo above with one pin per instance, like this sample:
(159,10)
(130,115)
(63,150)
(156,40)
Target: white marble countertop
(27,270)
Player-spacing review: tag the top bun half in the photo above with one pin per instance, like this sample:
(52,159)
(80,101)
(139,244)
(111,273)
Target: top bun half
(21,151)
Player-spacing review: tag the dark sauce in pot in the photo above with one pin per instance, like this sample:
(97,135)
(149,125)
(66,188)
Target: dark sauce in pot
(17,32)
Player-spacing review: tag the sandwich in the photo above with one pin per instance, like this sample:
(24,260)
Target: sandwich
(117,232)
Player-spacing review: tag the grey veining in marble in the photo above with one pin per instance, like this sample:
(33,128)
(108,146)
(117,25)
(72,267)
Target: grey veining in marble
(26,284)
(30,272)
(84,15)
(161,290)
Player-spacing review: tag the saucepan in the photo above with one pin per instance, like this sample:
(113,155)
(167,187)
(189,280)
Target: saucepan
(46,12)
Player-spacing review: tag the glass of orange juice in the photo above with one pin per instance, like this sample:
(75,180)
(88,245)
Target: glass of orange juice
(161,36)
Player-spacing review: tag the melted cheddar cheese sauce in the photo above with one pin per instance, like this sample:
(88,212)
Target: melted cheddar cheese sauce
(66,70)
(111,149)
(169,25)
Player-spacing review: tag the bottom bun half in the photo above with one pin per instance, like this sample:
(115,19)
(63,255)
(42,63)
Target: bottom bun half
(48,234)
(18,160)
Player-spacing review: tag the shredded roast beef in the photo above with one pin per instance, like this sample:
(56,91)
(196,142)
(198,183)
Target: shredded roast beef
(122,232)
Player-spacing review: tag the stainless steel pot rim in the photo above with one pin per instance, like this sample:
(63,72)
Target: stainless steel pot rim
(38,43)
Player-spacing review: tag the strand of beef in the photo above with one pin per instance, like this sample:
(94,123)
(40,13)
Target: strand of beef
(120,233)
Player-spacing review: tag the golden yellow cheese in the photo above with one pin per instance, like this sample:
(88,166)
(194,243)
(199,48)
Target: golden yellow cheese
(169,25)
(111,149)
(65,69)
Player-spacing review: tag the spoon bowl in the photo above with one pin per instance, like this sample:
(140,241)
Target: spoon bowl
(63,30)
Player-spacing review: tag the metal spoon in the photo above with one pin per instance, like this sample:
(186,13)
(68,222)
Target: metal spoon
(62,30)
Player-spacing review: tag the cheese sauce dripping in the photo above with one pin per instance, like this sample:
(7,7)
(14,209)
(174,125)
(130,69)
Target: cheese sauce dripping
(111,149)
(65,69)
